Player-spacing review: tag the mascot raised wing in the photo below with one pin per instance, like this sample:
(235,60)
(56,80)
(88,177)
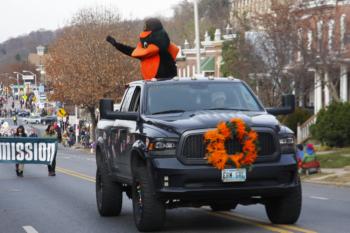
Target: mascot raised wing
(155,51)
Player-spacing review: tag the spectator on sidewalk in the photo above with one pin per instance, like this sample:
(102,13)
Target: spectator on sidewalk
(50,132)
(20,132)
(15,119)
(300,152)
(310,153)
(58,132)
(33,133)
(65,138)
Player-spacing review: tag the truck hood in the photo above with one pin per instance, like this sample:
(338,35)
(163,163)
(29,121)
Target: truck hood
(181,122)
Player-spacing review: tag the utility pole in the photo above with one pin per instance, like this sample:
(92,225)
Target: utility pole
(17,75)
(196,25)
(76,124)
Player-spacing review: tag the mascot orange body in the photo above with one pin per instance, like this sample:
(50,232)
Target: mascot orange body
(156,52)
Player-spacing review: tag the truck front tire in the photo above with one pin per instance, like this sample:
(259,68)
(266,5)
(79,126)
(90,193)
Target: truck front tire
(149,212)
(109,194)
(285,209)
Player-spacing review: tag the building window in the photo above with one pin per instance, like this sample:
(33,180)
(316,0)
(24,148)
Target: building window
(330,34)
(342,31)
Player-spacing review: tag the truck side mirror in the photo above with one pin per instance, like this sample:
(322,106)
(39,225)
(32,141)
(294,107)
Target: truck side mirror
(288,106)
(106,112)
(106,106)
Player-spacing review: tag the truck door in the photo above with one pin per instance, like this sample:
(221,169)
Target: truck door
(117,133)
(129,132)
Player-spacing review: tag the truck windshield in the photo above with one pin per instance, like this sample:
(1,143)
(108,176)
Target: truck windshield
(195,96)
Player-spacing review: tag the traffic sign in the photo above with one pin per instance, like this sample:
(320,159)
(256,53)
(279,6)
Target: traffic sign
(61,112)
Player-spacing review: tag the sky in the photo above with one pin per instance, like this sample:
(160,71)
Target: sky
(19,17)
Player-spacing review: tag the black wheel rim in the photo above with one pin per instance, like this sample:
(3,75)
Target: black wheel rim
(138,201)
(139,197)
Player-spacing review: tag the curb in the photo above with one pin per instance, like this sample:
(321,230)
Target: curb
(339,184)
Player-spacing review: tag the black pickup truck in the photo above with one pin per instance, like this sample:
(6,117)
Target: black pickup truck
(153,149)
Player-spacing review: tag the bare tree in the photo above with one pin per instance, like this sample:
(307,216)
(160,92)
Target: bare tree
(286,56)
(83,68)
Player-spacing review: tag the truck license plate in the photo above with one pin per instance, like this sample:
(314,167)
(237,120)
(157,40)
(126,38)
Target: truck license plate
(234,175)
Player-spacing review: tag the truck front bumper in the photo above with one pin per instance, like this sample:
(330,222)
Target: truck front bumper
(174,180)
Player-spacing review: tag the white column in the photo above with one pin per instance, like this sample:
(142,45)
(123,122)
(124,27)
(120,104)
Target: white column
(318,92)
(343,83)
(327,97)
(188,71)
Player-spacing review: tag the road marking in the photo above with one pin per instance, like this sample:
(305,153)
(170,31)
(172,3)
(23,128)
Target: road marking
(290,227)
(228,215)
(295,228)
(260,224)
(76,174)
(319,198)
(30,229)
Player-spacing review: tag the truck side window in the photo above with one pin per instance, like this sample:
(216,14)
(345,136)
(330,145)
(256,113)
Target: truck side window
(127,99)
(135,101)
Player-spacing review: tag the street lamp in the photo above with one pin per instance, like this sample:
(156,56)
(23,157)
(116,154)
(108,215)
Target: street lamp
(17,76)
(33,75)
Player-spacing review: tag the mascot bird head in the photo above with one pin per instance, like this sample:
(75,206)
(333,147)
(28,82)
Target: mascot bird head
(155,51)
(153,40)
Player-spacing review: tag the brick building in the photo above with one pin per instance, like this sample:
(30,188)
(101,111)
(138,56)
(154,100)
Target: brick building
(210,52)
(327,32)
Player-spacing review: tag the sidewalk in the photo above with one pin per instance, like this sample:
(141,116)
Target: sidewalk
(330,176)
(78,146)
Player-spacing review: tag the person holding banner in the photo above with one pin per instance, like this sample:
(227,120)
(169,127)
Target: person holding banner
(50,132)
(20,132)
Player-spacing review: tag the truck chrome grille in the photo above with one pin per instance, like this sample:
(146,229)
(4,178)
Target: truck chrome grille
(195,148)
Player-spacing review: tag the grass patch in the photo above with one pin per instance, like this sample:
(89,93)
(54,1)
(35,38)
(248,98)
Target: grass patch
(338,159)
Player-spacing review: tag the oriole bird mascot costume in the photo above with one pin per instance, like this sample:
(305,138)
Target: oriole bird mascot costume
(155,51)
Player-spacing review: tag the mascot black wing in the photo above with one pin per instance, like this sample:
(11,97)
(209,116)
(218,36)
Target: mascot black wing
(156,52)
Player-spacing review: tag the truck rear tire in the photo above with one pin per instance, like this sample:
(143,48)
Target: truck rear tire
(223,206)
(149,212)
(109,194)
(285,209)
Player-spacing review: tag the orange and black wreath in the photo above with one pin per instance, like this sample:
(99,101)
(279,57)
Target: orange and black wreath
(234,129)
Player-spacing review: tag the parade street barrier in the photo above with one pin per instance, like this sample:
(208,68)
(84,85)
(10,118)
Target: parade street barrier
(27,150)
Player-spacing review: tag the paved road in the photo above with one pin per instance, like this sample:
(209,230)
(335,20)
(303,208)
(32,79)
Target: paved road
(66,203)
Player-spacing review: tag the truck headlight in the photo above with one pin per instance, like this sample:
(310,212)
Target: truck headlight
(287,141)
(287,144)
(162,146)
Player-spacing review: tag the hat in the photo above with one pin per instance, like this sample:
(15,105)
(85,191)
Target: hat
(310,146)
